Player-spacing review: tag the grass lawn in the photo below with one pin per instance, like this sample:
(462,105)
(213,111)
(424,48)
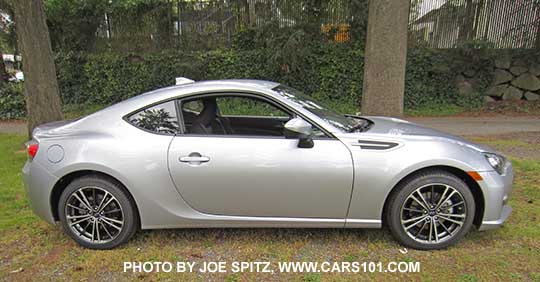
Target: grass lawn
(30,249)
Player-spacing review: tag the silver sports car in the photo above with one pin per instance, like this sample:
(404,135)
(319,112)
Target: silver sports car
(247,153)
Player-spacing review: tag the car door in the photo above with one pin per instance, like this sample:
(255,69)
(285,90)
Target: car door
(242,174)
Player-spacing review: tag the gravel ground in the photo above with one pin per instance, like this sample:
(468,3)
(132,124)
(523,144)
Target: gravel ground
(474,126)
(16,127)
(523,145)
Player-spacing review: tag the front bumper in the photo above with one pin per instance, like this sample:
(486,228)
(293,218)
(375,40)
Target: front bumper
(39,183)
(496,189)
(492,224)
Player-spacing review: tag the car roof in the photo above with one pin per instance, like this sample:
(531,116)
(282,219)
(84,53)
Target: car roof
(263,84)
(212,85)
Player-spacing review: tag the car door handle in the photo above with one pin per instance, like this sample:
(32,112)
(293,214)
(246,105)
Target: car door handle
(194,158)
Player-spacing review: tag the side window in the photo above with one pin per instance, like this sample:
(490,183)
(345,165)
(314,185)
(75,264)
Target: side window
(246,106)
(235,115)
(160,119)
(232,115)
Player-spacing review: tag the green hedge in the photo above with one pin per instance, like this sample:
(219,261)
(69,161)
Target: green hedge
(12,104)
(330,72)
(109,78)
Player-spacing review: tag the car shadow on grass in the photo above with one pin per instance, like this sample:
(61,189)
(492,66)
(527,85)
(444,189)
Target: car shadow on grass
(212,237)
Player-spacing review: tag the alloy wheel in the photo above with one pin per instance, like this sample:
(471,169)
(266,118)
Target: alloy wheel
(433,213)
(94,214)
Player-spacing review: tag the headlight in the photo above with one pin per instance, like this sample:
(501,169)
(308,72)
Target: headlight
(496,161)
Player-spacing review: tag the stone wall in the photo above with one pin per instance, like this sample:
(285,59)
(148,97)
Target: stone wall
(514,79)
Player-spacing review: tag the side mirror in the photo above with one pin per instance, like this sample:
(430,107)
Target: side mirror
(298,125)
(303,129)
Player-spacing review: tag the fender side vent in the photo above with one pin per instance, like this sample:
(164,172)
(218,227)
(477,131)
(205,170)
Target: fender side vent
(375,145)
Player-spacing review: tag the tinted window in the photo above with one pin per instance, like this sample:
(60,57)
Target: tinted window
(159,119)
(232,115)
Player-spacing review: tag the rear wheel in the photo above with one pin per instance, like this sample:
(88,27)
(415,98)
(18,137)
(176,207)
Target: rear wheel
(97,213)
(432,210)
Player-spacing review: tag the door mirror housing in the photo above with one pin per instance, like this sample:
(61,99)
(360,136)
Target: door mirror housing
(303,129)
(299,126)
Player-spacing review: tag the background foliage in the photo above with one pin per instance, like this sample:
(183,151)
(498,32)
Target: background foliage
(331,72)
(144,53)
(11,101)
(73,23)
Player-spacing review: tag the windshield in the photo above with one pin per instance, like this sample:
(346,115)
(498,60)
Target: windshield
(342,122)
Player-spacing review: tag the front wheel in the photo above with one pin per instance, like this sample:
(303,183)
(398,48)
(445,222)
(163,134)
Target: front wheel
(97,213)
(432,210)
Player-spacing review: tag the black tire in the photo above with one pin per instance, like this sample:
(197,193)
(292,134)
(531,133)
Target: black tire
(426,181)
(122,201)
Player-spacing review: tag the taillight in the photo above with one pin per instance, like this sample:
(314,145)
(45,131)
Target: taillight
(32,149)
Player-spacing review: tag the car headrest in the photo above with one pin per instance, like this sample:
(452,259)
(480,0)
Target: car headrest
(209,112)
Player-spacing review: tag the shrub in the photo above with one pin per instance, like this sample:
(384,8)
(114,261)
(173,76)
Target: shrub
(12,104)
(331,72)
(71,77)
(108,78)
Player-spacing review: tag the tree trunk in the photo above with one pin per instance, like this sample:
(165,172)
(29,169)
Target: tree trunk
(3,72)
(40,84)
(4,77)
(386,54)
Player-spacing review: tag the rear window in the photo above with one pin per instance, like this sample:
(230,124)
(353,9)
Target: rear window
(161,119)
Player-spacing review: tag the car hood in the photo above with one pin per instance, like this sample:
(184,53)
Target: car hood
(393,127)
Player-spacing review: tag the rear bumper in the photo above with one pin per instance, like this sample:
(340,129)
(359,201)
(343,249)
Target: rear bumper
(39,183)
(496,189)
